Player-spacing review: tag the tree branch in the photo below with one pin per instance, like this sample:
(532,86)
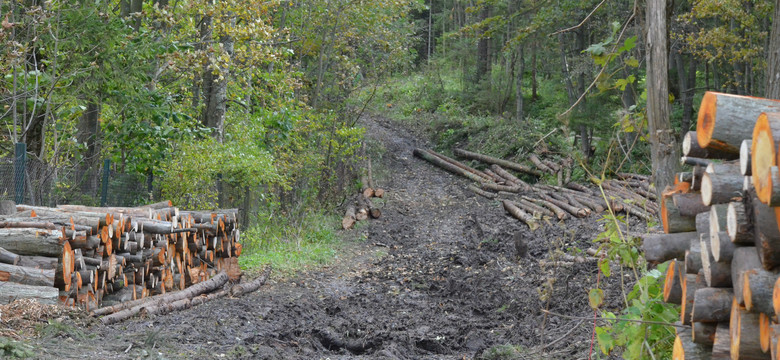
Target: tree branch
(582,22)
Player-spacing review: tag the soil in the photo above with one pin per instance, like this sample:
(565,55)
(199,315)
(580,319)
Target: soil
(443,274)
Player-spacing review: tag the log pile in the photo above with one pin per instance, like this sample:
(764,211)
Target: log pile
(630,193)
(361,206)
(727,212)
(92,257)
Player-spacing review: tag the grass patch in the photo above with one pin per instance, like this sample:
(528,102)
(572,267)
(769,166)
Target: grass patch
(290,245)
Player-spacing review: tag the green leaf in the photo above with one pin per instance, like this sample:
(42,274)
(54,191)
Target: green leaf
(604,267)
(632,62)
(595,298)
(629,44)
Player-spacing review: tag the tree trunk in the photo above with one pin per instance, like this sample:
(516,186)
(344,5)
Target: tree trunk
(43,294)
(663,141)
(26,275)
(773,61)
(482,46)
(519,115)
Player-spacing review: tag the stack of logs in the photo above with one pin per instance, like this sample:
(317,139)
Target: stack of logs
(721,236)
(92,257)
(631,193)
(362,207)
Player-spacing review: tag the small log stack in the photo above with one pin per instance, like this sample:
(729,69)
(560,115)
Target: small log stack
(732,205)
(98,256)
(630,193)
(361,206)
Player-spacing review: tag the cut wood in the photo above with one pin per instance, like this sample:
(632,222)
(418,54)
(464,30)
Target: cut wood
(757,288)
(690,147)
(672,220)
(26,275)
(539,164)
(744,331)
(10,291)
(689,204)
(721,348)
(559,213)
(723,168)
(485,177)
(766,234)
(533,208)
(717,274)
(766,134)
(690,283)
(659,248)
(720,188)
(483,193)
(693,161)
(704,333)
(672,290)
(693,262)
(745,258)
(738,225)
(725,120)
(435,160)
(712,305)
(509,177)
(7,257)
(685,348)
(241,289)
(520,214)
(721,246)
(492,160)
(745,166)
(348,221)
(39,262)
(703,223)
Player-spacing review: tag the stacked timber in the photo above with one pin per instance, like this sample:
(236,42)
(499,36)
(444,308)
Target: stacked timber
(361,206)
(98,256)
(630,193)
(726,211)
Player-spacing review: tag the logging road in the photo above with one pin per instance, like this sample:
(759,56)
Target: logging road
(443,274)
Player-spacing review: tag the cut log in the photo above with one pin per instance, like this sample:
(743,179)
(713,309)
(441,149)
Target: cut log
(685,348)
(738,225)
(721,246)
(693,161)
(720,188)
(723,168)
(7,257)
(435,160)
(766,134)
(483,193)
(717,274)
(539,164)
(774,339)
(721,349)
(509,177)
(672,290)
(203,287)
(485,177)
(380,193)
(689,204)
(348,221)
(757,290)
(703,223)
(690,284)
(673,221)
(745,258)
(32,242)
(520,214)
(683,177)
(39,262)
(10,291)
(365,204)
(26,276)
(559,213)
(704,333)
(712,305)
(744,331)
(659,248)
(492,160)
(766,234)
(241,289)
(725,120)
(765,335)
(533,208)
(690,147)
(693,262)
(573,210)
(745,166)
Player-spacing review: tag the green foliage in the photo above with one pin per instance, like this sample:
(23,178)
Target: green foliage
(15,349)
(643,336)
(289,245)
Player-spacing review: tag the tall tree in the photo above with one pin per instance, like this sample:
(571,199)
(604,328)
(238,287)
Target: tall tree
(663,142)
(773,63)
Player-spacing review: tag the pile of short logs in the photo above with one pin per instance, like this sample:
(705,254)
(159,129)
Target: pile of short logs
(630,193)
(361,206)
(100,256)
(721,234)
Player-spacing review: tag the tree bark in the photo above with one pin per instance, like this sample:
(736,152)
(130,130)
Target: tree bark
(659,248)
(43,294)
(773,61)
(519,115)
(492,160)
(712,305)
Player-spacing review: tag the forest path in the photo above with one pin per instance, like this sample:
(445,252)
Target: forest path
(437,276)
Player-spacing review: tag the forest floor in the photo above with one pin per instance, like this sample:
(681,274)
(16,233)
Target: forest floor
(443,274)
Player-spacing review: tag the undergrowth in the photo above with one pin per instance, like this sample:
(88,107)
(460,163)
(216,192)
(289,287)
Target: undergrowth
(290,244)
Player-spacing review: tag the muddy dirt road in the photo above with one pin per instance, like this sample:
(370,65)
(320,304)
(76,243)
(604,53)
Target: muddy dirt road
(443,274)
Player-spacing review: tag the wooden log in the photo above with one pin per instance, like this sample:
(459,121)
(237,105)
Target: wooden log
(533,208)
(703,223)
(721,246)
(723,168)
(380,193)
(483,193)
(757,290)
(492,160)
(32,242)
(520,214)
(774,335)
(509,177)
(721,348)
(745,258)
(559,213)
(765,336)
(766,134)
(672,290)
(766,233)
(10,291)
(26,276)
(348,221)
(485,177)
(720,188)
(539,164)
(717,274)
(704,333)
(724,120)
(690,147)
(745,166)
(683,177)
(580,188)
(693,262)
(203,287)
(738,225)
(685,348)
(690,283)
(659,248)
(435,160)
(39,262)
(712,305)
(7,257)
(693,161)
(689,204)
(241,289)
(744,331)
(673,221)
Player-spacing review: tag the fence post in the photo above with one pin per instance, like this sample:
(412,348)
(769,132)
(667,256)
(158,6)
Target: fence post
(20,162)
(104,187)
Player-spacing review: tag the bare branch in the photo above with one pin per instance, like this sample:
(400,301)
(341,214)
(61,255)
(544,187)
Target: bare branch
(582,22)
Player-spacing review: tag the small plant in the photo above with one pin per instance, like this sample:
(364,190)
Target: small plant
(14,349)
